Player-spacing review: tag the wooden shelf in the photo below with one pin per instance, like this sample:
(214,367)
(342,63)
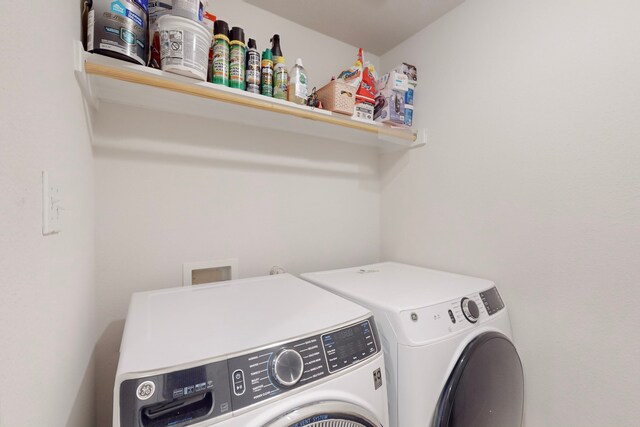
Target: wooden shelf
(104,79)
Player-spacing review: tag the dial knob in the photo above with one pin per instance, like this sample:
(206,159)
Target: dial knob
(470,310)
(287,367)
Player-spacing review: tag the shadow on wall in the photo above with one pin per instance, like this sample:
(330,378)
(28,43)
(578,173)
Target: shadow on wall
(80,412)
(155,136)
(106,364)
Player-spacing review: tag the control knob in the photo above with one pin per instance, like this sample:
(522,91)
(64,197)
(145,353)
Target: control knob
(287,367)
(470,310)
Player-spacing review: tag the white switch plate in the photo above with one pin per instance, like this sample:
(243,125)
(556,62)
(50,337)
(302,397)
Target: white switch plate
(51,206)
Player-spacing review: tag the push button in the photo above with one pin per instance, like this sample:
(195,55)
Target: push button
(238,382)
(452,317)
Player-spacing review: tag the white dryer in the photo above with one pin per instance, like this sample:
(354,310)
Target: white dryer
(447,343)
(271,351)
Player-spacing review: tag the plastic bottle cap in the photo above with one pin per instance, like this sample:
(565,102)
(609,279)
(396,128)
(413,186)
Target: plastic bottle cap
(299,62)
(221,27)
(252,44)
(237,33)
(267,54)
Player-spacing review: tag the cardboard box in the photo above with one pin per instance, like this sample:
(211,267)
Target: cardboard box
(408,70)
(408,115)
(364,112)
(389,107)
(393,81)
(408,95)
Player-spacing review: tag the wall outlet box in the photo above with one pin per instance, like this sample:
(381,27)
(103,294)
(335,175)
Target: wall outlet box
(199,273)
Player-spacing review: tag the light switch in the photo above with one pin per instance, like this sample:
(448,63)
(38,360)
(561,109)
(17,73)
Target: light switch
(51,206)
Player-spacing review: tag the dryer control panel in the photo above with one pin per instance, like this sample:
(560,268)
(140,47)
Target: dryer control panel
(267,373)
(492,301)
(427,323)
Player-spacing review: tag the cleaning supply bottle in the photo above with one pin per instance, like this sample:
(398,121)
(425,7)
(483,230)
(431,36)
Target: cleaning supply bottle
(280,74)
(253,67)
(298,84)
(266,81)
(220,71)
(280,78)
(237,58)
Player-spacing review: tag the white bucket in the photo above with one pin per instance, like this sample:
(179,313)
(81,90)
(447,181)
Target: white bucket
(158,9)
(184,46)
(192,9)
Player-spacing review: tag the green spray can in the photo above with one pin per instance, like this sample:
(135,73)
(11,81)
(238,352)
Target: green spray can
(266,81)
(237,59)
(220,67)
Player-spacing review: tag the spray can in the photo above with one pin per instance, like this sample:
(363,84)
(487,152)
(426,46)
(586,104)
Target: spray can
(237,58)
(220,71)
(280,79)
(280,74)
(253,67)
(266,83)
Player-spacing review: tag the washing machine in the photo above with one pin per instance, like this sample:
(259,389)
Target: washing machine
(272,351)
(447,341)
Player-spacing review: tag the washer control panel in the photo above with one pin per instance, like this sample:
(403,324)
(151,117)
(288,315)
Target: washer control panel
(176,398)
(267,373)
(347,346)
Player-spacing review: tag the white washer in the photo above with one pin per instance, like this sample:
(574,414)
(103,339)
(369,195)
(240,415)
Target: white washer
(271,351)
(447,343)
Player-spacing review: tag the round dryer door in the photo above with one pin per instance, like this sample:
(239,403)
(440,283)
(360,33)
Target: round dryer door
(327,414)
(486,387)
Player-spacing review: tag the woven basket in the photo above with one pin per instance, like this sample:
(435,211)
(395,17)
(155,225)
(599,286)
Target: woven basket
(337,96)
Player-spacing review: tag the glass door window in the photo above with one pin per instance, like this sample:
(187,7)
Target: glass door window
(486,387)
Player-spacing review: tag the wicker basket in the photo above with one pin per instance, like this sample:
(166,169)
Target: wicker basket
(338,96)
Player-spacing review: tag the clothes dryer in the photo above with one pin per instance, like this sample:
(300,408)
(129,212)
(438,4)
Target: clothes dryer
(264,352)
(447,341)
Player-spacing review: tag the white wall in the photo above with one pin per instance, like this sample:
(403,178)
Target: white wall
(531,178)
(47,290)
(172,189)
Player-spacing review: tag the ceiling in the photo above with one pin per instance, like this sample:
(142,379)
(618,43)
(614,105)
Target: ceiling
(375,25)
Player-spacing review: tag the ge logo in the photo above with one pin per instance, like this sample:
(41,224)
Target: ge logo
(145,390)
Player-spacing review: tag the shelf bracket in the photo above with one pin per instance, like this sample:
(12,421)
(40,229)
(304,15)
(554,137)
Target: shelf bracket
(421,139)
(90,102)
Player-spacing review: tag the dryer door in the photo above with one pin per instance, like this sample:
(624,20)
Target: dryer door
(327,414)
(485,388)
